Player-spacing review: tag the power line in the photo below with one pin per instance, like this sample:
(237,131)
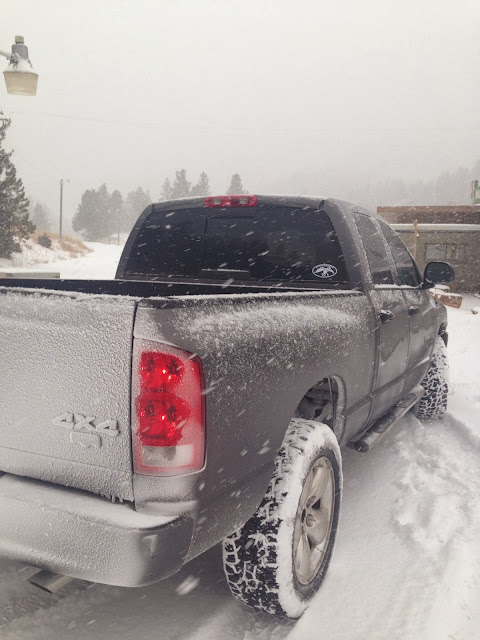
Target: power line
(293,129)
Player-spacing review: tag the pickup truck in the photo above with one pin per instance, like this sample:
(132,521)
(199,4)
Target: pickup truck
(204,395)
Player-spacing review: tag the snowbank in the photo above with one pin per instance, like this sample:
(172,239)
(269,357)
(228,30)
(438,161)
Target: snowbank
(33,253)
(100,262)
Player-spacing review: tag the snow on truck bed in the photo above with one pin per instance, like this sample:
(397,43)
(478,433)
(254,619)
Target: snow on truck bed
(406,564)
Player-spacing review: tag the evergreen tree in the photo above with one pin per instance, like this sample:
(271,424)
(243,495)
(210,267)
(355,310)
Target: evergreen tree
(106,226)
(40,217)
(135,203)
(87,217)
(94,218)
(14,220)
(84,220)
(167,190)
(116,211)
(181,186)
(236,187)
(202,188)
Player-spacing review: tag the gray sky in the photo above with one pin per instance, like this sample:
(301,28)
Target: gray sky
(275,90)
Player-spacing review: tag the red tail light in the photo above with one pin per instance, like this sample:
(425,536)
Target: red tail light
(169,430)
(231,201)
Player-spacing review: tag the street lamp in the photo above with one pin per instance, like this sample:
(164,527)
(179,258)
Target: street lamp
(20,78)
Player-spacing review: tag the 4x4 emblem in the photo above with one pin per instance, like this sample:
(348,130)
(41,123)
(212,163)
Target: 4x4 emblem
(84,431)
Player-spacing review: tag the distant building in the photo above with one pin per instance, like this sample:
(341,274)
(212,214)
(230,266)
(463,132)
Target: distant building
(461,214)
(450,234)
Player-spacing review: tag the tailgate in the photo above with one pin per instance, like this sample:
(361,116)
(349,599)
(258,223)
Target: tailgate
(65,363)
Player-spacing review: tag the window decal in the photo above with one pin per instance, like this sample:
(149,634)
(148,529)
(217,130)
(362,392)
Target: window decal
(324,271)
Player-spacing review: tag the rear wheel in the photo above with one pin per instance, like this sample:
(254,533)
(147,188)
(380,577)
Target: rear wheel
(434,402)
(279,558)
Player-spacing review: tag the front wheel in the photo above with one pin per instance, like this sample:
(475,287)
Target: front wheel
(279,558)
(434,402)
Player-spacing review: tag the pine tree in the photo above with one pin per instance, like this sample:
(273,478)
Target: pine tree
(236,187)
(94,218)
(14,220)
(202,188)
(135,203)
(167,190)
(41,217)
(84,219)
(116,212)
(181,186)
(103,222)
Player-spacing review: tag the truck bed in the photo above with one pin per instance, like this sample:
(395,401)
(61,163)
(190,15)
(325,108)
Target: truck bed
(66,349)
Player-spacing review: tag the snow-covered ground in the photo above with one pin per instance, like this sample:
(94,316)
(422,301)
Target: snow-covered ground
(407,561)
(101,263)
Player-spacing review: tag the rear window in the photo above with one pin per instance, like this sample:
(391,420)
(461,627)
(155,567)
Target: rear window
(261,243)
(169,244)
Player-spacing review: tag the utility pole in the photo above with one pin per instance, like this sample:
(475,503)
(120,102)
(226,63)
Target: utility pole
(61,207)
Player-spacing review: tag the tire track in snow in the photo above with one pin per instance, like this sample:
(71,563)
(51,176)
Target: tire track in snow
(438,514)
(439,485)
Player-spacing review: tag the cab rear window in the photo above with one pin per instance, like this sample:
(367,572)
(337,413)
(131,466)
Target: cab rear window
(261,243)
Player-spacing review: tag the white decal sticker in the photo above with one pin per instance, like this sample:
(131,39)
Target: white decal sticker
(324,271)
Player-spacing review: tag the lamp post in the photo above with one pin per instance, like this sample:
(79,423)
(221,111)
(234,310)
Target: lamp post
(20,78)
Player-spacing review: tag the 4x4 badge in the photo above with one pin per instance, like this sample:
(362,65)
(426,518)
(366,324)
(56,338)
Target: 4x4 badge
(84,431)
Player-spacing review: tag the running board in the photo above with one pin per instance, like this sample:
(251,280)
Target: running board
(384,423)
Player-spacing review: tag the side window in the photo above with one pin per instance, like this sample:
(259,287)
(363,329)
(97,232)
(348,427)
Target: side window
(375,250)
(406,267)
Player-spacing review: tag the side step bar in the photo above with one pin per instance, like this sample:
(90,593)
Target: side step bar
(384,423)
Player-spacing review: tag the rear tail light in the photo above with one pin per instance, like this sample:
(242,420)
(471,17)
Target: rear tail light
(231,201)
(169,429)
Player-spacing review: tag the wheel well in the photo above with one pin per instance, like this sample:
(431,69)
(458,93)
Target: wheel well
(322,403)
(443,333)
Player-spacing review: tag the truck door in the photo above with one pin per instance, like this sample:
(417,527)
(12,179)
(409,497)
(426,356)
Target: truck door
(390,316)
(421,309)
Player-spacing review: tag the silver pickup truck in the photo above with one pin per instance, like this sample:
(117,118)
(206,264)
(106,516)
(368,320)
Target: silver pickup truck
(204,394)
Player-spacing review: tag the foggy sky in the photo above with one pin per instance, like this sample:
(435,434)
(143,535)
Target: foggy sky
(281,92)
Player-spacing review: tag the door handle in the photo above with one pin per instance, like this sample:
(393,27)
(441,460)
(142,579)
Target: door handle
(385,316)
(412,311)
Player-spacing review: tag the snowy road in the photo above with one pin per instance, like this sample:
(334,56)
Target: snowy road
(406,565)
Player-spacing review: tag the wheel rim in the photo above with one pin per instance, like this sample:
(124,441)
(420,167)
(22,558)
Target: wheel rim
(313,522)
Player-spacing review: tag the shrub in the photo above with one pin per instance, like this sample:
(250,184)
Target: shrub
(44,241)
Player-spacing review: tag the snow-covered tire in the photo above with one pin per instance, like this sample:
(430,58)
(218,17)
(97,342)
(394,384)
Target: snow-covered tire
(262,560)
(434,402)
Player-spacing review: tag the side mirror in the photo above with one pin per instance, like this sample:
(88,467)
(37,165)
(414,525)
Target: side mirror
(437,273)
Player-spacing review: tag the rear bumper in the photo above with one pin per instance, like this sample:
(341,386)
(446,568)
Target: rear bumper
(84,536)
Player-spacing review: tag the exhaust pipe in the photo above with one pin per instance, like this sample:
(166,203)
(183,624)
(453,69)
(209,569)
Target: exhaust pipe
(48,581)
